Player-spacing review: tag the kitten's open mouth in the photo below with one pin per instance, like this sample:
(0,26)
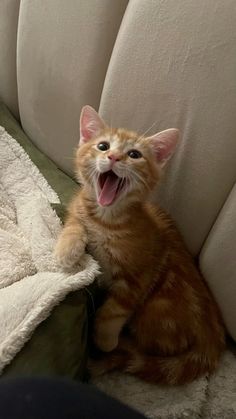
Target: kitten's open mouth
(110,187)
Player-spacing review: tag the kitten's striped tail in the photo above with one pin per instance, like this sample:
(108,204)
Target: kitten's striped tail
(172,370)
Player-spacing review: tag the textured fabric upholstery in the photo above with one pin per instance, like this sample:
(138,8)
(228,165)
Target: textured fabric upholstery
(169,63)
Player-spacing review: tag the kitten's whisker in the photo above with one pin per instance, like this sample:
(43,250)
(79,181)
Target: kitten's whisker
(111,125)
(92,173)
(139,178)
(149,129)
(123,180)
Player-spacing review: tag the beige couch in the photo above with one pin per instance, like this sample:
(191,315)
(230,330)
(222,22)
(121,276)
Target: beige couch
(139,62)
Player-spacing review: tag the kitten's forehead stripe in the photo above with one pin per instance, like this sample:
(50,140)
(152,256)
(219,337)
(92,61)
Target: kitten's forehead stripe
(115,141)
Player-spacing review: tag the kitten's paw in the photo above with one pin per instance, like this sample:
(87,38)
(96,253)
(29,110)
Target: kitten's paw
(68,253)
(104,339)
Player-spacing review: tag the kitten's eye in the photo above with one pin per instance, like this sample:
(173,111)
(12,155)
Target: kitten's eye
(134,154)
(103,146)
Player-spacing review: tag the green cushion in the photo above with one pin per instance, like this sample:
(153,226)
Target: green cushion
(58,345)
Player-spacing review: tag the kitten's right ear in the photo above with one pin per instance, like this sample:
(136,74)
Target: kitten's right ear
(90,124)
(164,144)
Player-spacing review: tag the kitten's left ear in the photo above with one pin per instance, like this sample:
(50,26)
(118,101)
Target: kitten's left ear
(90,124)
(164,144)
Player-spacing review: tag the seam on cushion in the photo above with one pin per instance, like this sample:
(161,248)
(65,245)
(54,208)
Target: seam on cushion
(114,43)
(112,52)
(215,220)
(17,28)
(17,55)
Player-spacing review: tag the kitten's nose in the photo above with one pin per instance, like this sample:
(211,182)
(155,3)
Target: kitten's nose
(113,158)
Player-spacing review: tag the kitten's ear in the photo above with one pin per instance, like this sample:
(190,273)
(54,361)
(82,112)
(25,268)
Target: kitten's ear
(164,144)
(90,124)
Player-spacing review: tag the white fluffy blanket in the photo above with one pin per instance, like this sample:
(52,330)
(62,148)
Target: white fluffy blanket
(30,282)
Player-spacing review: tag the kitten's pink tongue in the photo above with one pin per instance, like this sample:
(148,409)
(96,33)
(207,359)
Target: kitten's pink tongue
(108,191)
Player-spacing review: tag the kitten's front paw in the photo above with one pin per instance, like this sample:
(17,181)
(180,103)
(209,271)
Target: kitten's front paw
(105,339)
(68,253)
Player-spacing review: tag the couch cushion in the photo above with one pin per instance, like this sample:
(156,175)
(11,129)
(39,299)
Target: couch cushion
(218,261)
(58,345)
(63,50)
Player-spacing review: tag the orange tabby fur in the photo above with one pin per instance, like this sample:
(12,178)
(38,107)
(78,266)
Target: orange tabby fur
(173,329)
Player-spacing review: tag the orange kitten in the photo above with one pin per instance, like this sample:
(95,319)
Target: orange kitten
(159,320)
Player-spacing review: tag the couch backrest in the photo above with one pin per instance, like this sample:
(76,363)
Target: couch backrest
(138,62)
